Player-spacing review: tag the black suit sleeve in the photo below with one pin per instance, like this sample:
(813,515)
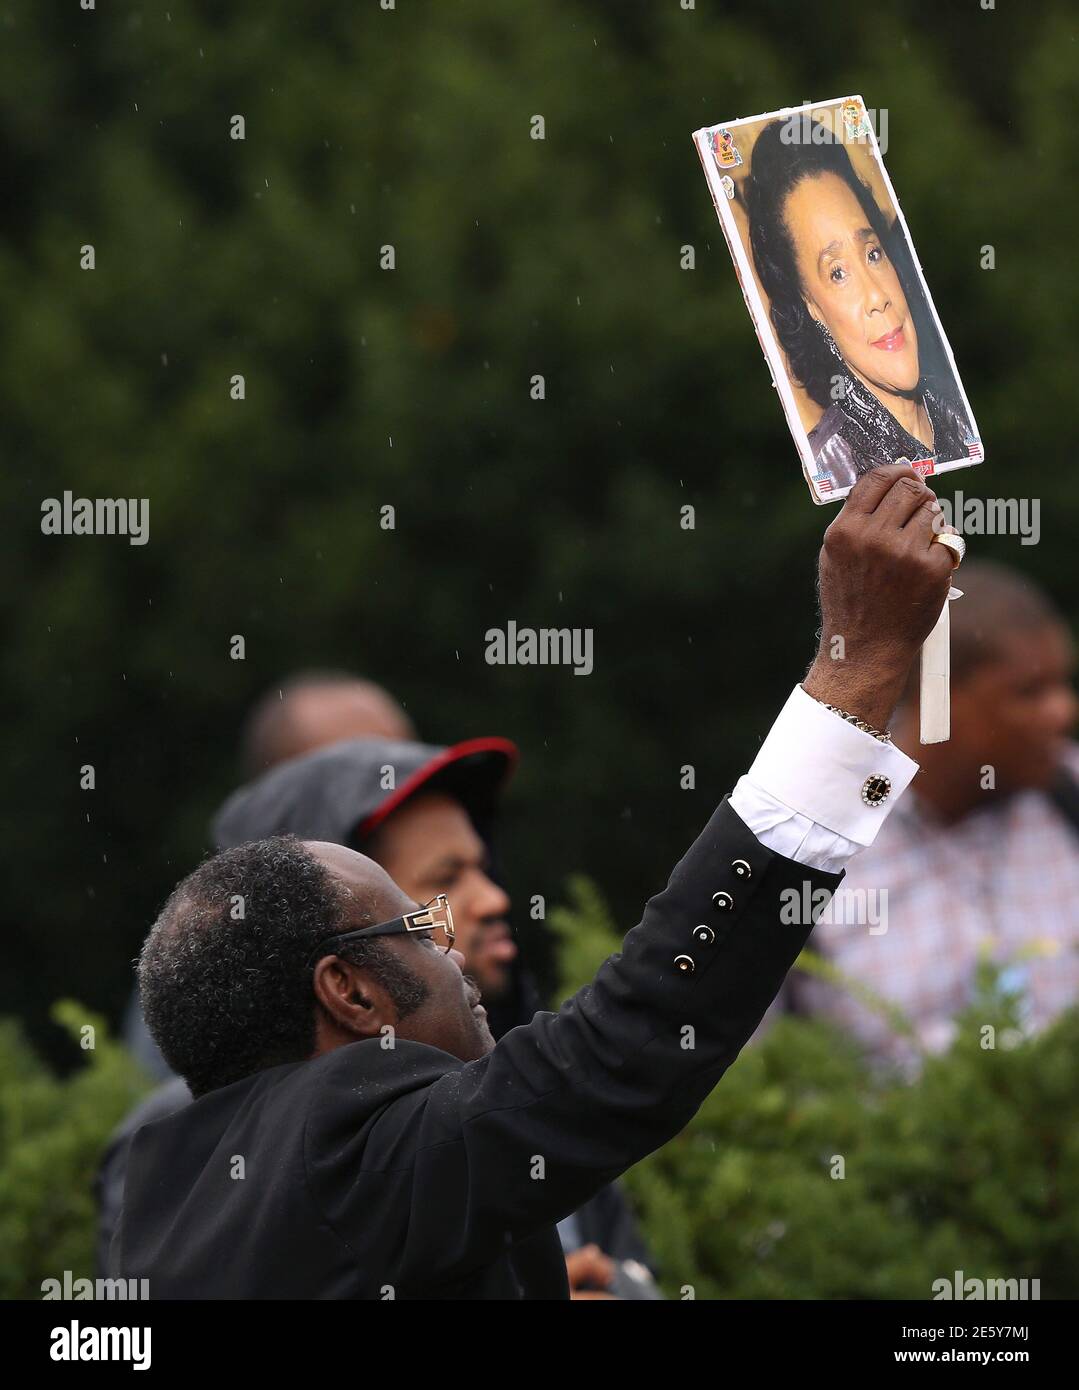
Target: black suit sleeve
(455,1171)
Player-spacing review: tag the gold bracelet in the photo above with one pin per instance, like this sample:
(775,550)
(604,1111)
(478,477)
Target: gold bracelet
(858,723)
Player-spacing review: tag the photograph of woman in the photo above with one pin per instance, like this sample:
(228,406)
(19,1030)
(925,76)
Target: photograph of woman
(838,279)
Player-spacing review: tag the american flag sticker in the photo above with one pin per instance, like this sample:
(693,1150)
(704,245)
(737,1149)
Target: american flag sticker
(975,450)
(824,483)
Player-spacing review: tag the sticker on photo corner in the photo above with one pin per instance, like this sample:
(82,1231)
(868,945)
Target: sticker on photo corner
(725,150)
(855,119)
(975,450)
(727,185)
(924,467)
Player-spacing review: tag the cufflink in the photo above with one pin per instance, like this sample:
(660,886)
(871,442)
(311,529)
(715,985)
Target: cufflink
(876,789)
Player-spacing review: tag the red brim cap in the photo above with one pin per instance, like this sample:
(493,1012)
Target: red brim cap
(474,771)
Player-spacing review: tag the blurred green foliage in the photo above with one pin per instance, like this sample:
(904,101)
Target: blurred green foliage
(973,1167)
(367,387)
(52,1134)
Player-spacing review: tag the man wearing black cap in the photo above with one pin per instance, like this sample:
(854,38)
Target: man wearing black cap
(425,814)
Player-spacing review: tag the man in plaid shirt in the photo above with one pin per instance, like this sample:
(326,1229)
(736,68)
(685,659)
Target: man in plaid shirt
(982,855)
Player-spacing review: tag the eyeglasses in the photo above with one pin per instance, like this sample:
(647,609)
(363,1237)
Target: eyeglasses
(434,917)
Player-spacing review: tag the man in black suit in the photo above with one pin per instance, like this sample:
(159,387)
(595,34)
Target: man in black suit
(356,1132)
(431,829)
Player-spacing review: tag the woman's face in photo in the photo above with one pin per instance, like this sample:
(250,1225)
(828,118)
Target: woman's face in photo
(850,284)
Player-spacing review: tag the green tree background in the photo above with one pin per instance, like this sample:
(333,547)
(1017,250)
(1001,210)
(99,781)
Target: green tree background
(410,387)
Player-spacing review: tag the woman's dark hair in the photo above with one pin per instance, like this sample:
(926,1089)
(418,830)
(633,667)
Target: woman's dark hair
(223,974)
(786,153)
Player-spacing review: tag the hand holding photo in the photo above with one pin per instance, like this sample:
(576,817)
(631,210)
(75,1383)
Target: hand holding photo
(837,295)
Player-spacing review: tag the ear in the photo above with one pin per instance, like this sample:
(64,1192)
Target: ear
(351,1000)
(814,312)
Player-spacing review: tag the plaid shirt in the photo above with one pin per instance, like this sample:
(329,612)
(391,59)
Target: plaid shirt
(1004,881)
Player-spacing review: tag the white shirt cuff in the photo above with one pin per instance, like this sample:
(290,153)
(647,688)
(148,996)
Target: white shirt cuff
(803,796)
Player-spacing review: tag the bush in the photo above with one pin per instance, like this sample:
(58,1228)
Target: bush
(974,1166)
(52,1133)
